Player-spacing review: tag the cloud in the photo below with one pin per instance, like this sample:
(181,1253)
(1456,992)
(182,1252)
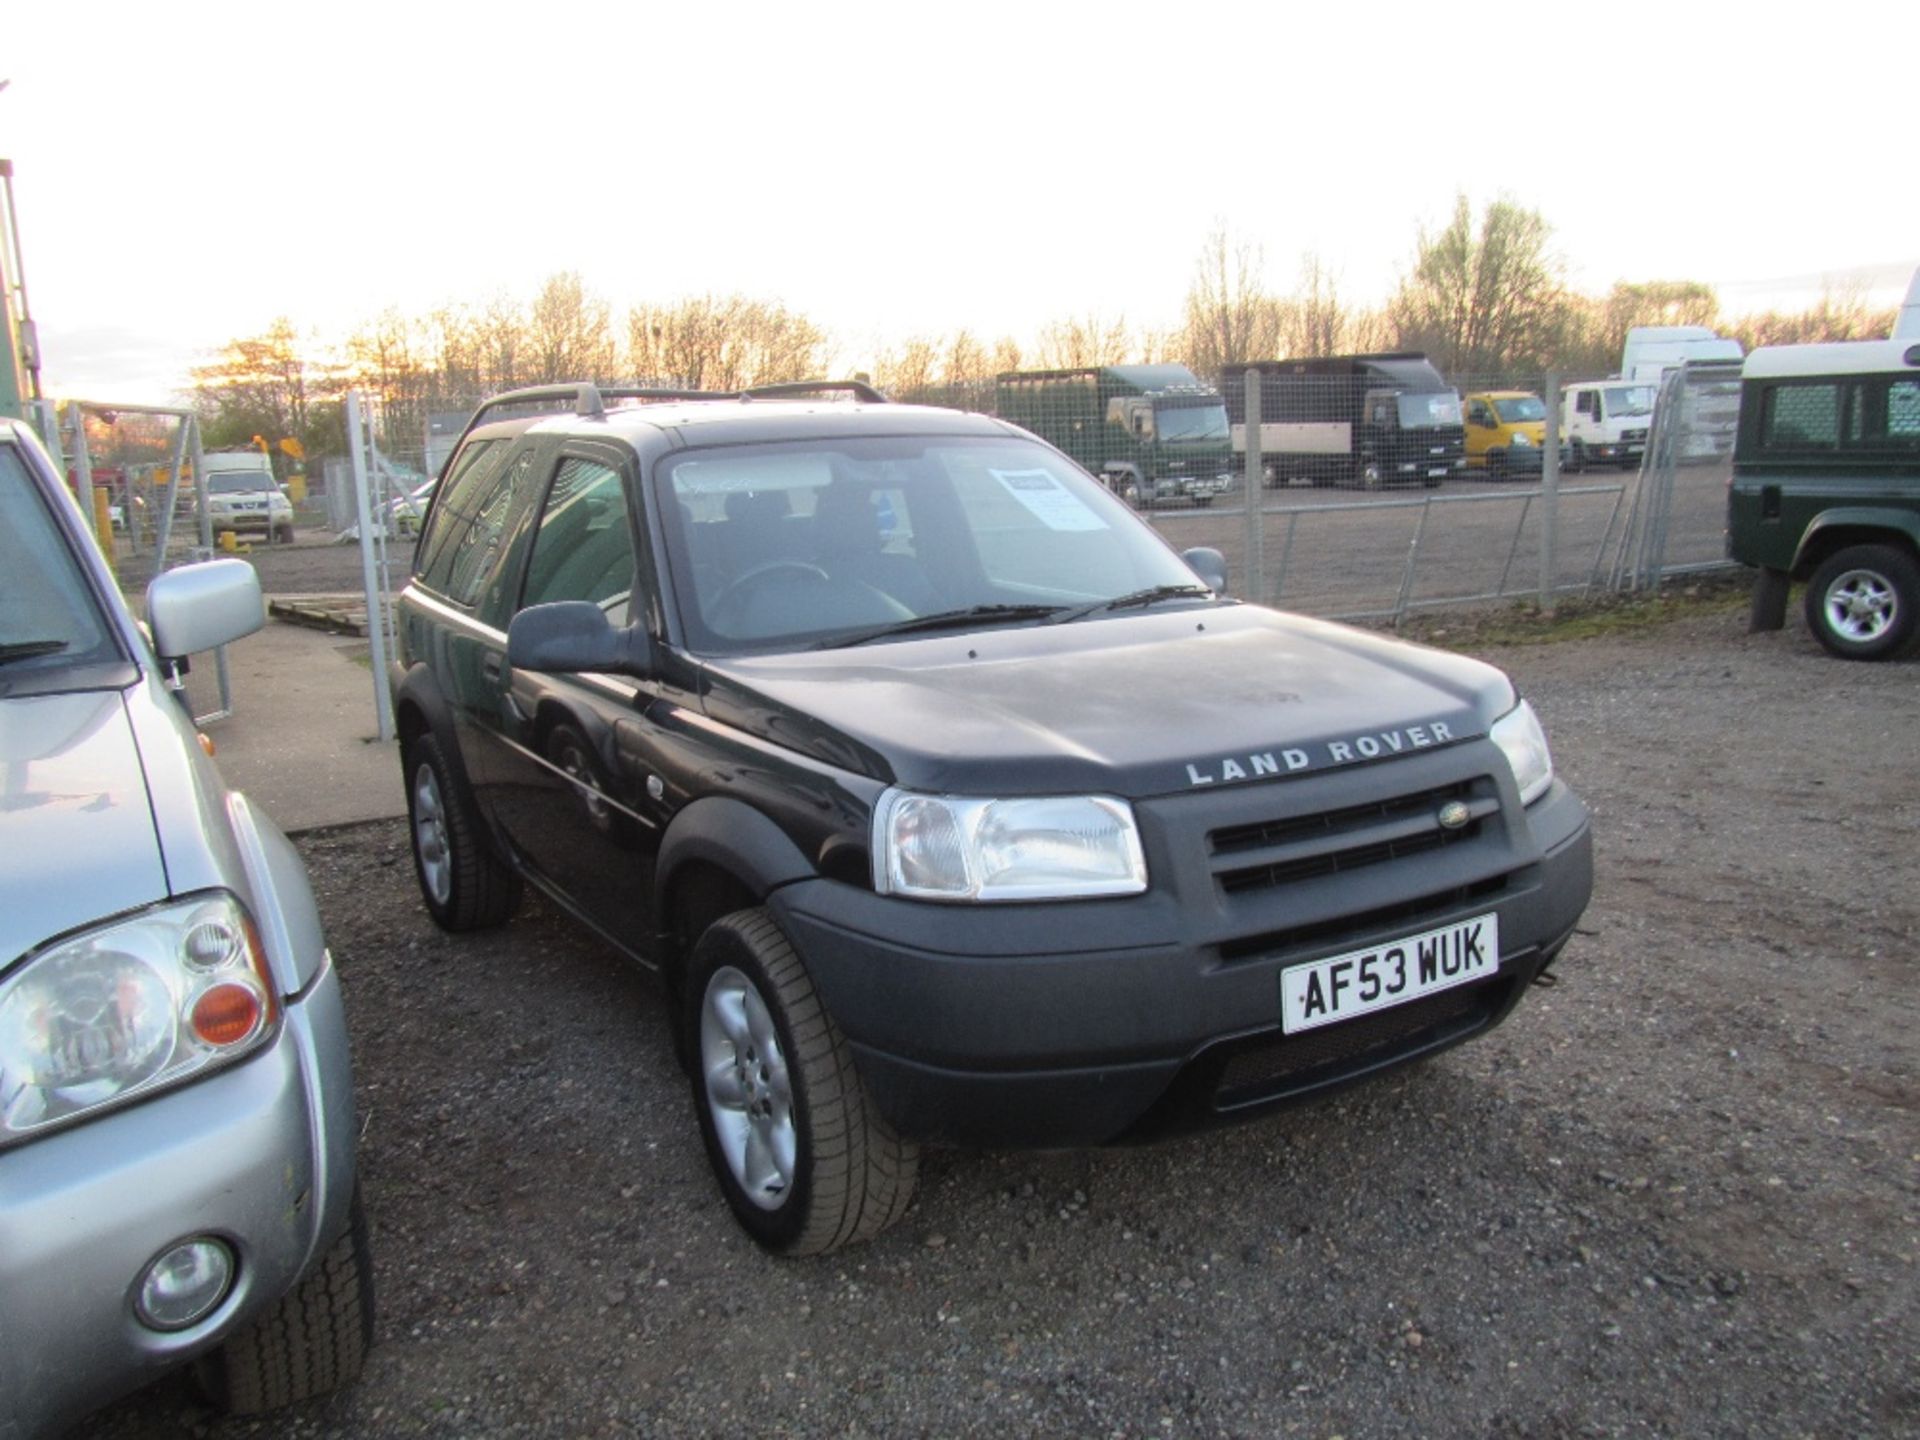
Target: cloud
(113,362)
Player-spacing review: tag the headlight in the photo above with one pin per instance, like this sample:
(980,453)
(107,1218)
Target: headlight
(945,847)
(1524,743)
(1522,440)
(128,1009)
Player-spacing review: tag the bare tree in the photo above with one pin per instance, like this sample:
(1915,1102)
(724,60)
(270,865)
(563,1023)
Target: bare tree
(1074,343)
(1841,313)
(501,344)
(725,343)
(568,337)
(1229,315)
(910,369)
(1313,319)
(1485,299)
(385,357)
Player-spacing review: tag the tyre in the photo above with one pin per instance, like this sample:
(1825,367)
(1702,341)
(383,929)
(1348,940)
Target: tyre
(284,534)
(464,884)
(314,1340)
(1496,464)
(1863,602)
(1577,456)
(802,1155)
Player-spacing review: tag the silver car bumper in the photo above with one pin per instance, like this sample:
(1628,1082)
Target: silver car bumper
(253,1155)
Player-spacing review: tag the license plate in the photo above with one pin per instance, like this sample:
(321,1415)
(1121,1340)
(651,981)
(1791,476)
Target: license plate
(1359,982)
(1437,470)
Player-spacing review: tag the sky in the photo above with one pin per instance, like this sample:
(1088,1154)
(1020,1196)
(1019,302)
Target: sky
(186,173)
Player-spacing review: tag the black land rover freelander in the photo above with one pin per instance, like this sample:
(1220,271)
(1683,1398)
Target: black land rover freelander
(948,802)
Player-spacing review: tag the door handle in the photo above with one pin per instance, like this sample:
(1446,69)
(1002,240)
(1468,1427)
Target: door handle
(491,665)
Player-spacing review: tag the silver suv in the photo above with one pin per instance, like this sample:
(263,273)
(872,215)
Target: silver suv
(176,1105)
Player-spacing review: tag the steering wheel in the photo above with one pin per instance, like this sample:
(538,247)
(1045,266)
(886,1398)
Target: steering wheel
(739,584)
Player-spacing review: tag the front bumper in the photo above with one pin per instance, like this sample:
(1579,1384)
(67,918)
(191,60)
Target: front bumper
(263,521)
(250,1155)
(1081,1023)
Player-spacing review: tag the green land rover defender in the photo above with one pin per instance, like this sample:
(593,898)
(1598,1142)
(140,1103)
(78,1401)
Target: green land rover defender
(1826,490)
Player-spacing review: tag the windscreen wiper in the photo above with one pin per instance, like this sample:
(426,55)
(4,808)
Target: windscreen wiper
(30,649)
(1150,596)
(943,620)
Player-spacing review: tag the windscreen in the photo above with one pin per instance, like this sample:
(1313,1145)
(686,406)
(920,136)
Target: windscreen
(49,617)
(821,542)
(1202,424)
(238,482)
(1626,400)
(1519,409)
(1441,407)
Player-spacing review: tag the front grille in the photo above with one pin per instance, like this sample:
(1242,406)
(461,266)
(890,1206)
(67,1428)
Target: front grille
(1272,853)
(1272,1066)
(1633,435)
(1360,926)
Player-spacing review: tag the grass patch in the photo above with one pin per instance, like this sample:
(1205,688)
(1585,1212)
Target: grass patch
(1584,618)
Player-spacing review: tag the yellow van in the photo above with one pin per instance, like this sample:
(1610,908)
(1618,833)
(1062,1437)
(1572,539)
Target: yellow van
(1505,430)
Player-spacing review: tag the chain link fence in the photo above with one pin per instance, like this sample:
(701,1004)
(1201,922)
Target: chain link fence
(1384,487)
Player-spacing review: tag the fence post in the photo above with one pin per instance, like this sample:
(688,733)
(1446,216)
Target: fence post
(1256,486)
(357,445)
(1413,563)
(1550,495)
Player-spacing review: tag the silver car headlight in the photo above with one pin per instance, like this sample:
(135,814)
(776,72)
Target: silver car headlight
(115,1013)
(1524,743)
(1522,440)
(947,847)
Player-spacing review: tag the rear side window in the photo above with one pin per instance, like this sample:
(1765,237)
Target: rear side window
(471,467)
(1801,416)
(475,530)
(1902,427)
(1870,415)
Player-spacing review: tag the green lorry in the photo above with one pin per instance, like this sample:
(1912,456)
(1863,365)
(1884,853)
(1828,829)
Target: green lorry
(1153,434)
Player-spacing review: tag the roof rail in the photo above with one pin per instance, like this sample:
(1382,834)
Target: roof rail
(859,389)
(589,401)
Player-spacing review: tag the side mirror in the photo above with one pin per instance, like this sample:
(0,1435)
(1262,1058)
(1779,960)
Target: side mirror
(575,635)
(200,607)
(1209,564)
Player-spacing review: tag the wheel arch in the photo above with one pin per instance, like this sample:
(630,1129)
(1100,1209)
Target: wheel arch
(1837,529)
(718,855)
(419,706)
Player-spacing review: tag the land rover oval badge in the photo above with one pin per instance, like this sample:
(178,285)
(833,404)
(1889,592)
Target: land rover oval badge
(1453,815)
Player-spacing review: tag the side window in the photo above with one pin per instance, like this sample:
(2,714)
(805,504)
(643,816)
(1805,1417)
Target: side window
(1802,415)
(1903,416)
(472,550)
(583,549)
(469,469)
(1583,402)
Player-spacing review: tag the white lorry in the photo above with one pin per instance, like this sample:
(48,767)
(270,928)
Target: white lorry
(1605,422)
(1652,350)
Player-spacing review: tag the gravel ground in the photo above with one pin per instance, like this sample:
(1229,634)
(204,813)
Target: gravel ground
(1678,1194)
